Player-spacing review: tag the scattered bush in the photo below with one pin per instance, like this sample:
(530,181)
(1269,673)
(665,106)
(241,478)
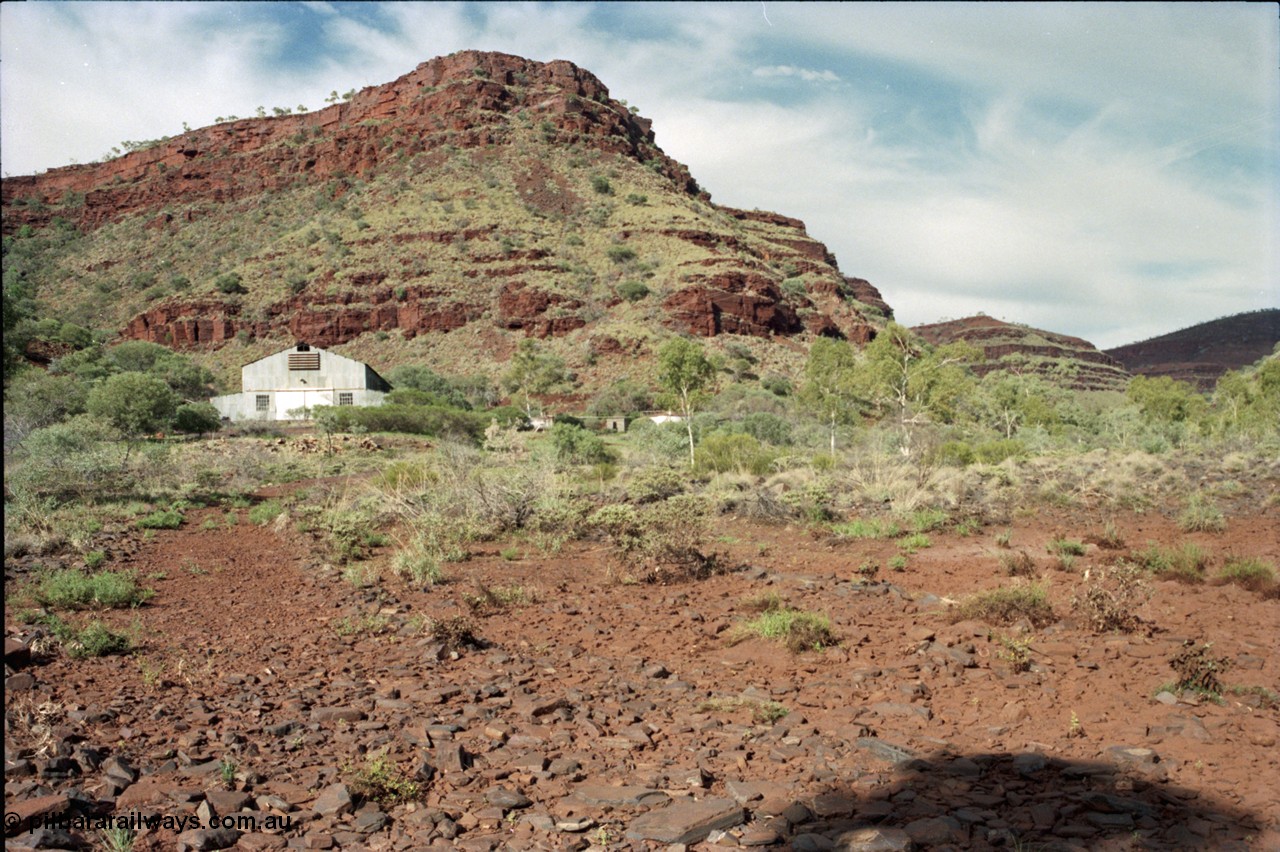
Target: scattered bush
(93,640)
(197,418)
(1008,605)
(662,540)
(455,633)
(798,630)
(1018,564)
(1198,670)
(1248,572)
(867,528)
(1186,563)
(381,781)
(161,519)
(914,542)
(576,445)
(265,512)
(763,602)
(632,290)
(620,254)
(1109,599)
(720,453)
(1201,515)
(762,712)
(72,589)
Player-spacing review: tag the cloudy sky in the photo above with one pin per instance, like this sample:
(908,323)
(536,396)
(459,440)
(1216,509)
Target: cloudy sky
(1105,170)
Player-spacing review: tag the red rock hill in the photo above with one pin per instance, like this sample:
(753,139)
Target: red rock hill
(1070,361)
(487,192)
(1202,353)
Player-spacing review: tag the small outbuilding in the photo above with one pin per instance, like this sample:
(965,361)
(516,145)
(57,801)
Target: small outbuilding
(290,383)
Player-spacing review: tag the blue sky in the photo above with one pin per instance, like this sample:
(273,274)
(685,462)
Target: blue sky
(1105,170)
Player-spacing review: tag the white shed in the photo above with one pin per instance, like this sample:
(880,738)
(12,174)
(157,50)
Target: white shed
(288,384)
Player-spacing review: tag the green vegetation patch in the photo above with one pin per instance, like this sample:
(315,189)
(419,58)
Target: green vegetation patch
(1248,572)
(265,512)
(798,630)
(1008,605)
(1186,563)
(382,781)
(73,589)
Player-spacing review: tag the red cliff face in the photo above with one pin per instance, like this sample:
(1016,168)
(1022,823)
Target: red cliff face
(741,272)
(463,100)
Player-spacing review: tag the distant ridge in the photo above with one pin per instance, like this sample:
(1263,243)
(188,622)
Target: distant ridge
(1068,361)
(1202,353)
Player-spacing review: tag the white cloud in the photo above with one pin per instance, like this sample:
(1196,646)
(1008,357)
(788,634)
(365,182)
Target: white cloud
(805,74)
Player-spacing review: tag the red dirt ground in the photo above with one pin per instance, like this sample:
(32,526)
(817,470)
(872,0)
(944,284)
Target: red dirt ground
(252,639)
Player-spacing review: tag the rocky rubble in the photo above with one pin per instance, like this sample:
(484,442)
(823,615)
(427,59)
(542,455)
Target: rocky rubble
(611,716)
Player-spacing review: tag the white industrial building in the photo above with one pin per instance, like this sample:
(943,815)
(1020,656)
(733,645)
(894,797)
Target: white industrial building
(289,384)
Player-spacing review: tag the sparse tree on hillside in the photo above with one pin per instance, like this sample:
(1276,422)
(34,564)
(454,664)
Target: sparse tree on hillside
(533,371)
(903,375)
(1165,400)
(830,388)
(684,371)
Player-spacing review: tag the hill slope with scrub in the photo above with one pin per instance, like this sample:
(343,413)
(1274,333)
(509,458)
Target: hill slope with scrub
(478,200)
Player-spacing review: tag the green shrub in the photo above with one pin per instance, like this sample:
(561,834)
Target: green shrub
(97,640)
(1248,572)
(1066,547)
(135,403)
(576,445)
(633,291)
(93,640)
(1201,515)
(230,283)
(1186,563)
(161,519)
(94,558)
(601,185)
(661,539)
(265,512)
(381,781)
(793,286)
(994,452)
(72,589)
(927,520)
(914,542)
(798,630)
(430,420)
(722,453)
(651,484)
(620,254)
(197,418)
(1008,605)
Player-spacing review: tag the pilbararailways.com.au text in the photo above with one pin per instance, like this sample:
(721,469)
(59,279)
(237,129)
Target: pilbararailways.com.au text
(152,822)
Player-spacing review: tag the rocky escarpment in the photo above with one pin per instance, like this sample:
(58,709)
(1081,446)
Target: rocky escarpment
(1065,360)
(1202,353)
(481,191)
(461,100)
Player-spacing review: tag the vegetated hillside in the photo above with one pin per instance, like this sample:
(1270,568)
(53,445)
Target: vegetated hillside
(479,199)
(1202,353)
(1068,361)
